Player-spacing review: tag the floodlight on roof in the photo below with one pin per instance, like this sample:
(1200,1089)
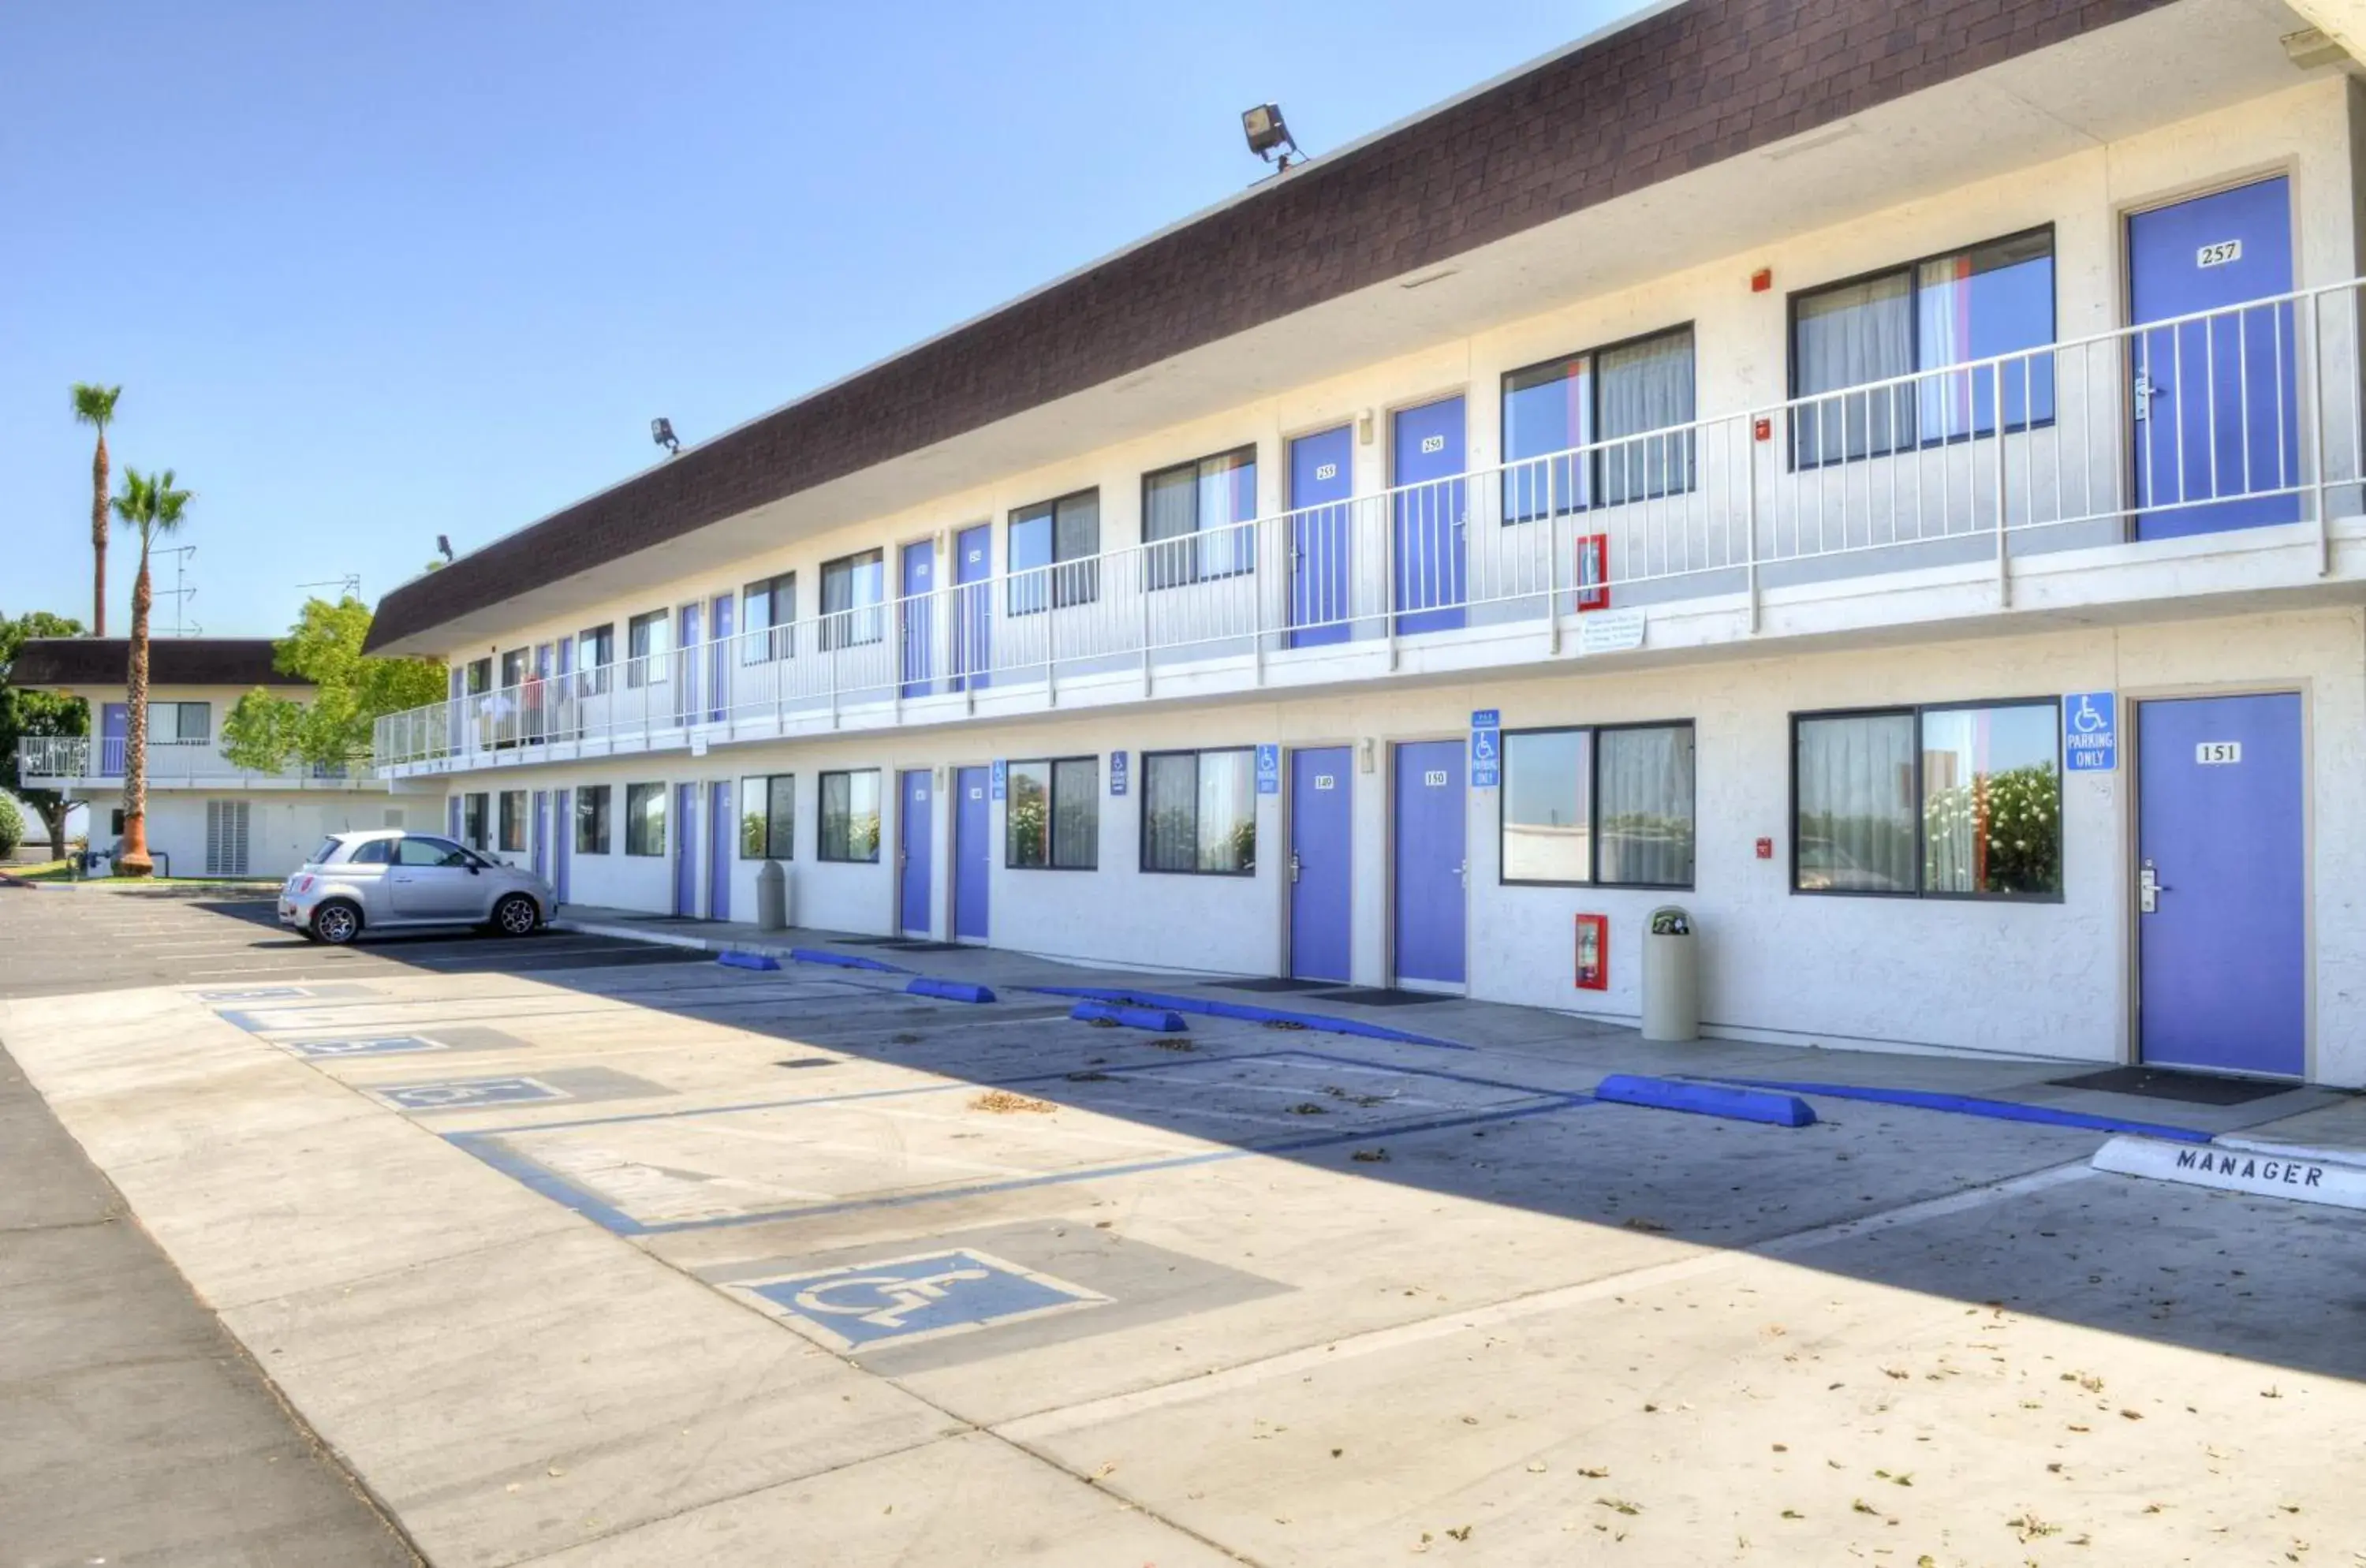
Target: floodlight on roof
(1268,136)
(662,432)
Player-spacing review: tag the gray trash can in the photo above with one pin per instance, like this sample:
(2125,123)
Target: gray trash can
(772,895)
(1670,977)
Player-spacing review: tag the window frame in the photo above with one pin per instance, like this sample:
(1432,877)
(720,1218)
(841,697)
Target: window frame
(602,799)
(594,672)
(821,815)
(1592,732)
(181,706)
(1912,270)
(1193,567)
(632,818)
(1595,441)
(648,668)
(775,645)
(475,820)
(1053,595)
(1921,836)
(786,834)
(1051,765)
(503,819)
(852,630)
(479,679)
(1196,753)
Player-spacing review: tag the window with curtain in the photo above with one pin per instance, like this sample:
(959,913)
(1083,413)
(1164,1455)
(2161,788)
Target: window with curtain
(1052,549)
(1625,401)
(1199,812)
(473,826)
(592,819)
(596,648)
(1052,819)
(510,820)
(1613,806)
(1960,801)
(850,816)
(1921,320)
(180,724)
(648,642)
(645,819)
(768,614)
(854,600)
(514,668)
(768,816)
(1196,517)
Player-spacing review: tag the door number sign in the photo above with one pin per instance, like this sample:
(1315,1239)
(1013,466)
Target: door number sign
(2217,753)
(2219,255)
(2091,736)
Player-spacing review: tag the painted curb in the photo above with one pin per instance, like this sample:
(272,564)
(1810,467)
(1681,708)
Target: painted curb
(844,960)
(1972,1105)
(748,960)
(2304,1179)
(1706,1100)
(950,990)
(1160,1020)
(1247,1013)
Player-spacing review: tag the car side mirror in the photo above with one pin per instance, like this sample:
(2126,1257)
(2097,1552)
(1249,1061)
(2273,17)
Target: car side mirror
(474,869)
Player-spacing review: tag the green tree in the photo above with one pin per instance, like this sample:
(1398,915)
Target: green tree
(151,504)
(94,405)
(23,713)
(12,828)
(351,690)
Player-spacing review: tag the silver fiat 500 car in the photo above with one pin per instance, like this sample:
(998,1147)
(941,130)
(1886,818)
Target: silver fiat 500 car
(387,879)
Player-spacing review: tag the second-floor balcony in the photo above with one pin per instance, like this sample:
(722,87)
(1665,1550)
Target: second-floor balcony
(2219,453)
(60,762)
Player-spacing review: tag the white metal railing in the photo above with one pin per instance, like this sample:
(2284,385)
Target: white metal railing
(169,763)
(2217,420)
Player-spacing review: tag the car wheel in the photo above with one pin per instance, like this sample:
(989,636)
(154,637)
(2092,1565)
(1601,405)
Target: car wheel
(516,915)
(336,923)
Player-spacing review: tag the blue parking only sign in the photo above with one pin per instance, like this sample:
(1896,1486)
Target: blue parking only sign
(1268,770)
(1117,773)
(900,1299)
(2091,732)
(1486,748)
(1001,779)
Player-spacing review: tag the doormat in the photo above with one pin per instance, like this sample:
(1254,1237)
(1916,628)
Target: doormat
(1272,983)
(2194,1089)
(913,944)
(1380,999)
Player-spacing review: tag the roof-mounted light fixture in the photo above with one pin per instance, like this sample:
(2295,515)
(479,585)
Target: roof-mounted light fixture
(1270,138)
(662,432)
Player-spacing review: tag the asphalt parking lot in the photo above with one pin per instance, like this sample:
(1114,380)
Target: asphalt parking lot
(592,1251)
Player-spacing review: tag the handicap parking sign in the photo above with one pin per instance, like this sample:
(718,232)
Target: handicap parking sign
(462,1094)
(2090,737)
(1486,748)
(928,1294)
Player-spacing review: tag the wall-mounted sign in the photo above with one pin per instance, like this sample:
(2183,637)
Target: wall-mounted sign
(1610,631)
(1117,773)
(2090,734)
(1268,770)
(1486,748)
(1001,778)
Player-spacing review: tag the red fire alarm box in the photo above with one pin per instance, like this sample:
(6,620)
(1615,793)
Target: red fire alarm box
(1593,953)
(1593,571)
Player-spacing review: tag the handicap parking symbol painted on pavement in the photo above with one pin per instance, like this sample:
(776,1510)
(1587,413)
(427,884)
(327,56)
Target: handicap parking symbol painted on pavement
(462,1094)
(902,1299)
(257,994)
(364,1045)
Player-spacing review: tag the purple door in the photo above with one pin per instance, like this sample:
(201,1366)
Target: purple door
(562,703)
(1321,478)
(719,846)
(2218,426)
(561,846)
(1427,847)
(1322,834)
(685,850)
(114,728)
(1426,447)
(971,864)
(685,666)
(720,660)
(914,832)
(2223,952)
(972,607)
(918,606)
(539,843)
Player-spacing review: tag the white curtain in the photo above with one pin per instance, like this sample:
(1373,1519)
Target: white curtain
(1077,813)
(1847,337)
(1856,822)
(1646,386)
(1646,805)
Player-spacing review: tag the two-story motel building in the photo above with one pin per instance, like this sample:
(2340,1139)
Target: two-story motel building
(1884,478)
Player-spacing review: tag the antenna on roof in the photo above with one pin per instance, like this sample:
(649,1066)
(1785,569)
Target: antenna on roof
(348,586)
(181,592)
(1269,138)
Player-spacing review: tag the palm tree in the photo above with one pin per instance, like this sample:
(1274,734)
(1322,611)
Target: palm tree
(96,405)
(151,504)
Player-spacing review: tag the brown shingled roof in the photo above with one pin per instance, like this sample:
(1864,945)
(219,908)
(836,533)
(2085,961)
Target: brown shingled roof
(1673,92)
(172,661)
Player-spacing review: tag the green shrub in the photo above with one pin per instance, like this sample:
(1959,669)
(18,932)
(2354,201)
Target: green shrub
(12,826)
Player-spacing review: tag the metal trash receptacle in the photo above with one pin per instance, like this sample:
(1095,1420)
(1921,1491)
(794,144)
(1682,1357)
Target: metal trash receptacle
(1670,977)
(773,897)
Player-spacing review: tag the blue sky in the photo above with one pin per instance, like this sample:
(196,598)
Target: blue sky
(371,273)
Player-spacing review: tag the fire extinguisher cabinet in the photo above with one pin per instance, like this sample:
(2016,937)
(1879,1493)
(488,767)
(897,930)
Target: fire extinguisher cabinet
(1670,977)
